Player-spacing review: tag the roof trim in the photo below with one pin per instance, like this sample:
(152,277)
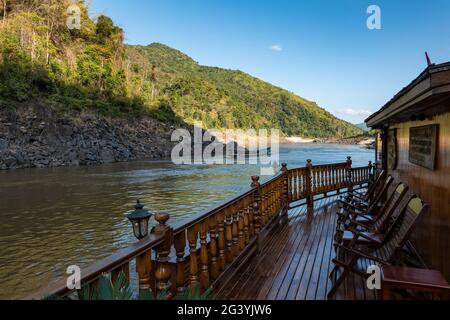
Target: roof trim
(423,87)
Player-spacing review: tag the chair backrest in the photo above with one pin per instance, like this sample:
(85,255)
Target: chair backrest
(381,193)
(375,186)
(404,223)
(383,221)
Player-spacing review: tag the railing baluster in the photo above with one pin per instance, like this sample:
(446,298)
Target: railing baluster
(256,204)
(180,247)
(296,175)
(229,235)
(309,187)
(214,271)
(246,213)
(241,226)
(235,229)
(204,264)
(251,218)
(263,210)
(221,241)
(144,268)
(193,263)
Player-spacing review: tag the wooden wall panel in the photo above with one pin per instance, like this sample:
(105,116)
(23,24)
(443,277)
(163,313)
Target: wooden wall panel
(432,238)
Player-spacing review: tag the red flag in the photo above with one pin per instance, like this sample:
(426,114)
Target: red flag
(428,58)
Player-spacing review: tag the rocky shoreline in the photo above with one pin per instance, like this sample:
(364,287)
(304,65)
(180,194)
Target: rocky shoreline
(361,140)
(38,137)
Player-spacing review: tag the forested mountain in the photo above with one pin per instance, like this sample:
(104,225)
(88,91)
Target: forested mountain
(362,126)
(92,69)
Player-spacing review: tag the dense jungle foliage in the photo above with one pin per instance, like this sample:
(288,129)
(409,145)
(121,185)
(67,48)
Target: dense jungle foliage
(91,68)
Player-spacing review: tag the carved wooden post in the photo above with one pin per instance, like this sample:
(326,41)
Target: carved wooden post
(285,192)
(221,240)
(193,263)
(309,187)
(256,205)
(163,270)
(180,246)
(349,174)
(204,265)
(213,247)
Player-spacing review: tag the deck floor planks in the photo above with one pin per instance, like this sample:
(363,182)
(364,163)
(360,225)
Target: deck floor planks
(295,261)
(303,271)
(318,263)
(324,279)
(279,269)
(263,265)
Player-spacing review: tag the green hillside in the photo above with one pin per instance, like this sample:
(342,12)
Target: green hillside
(91,69)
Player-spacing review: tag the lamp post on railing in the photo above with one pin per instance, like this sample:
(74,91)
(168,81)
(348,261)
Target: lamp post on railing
(139,220)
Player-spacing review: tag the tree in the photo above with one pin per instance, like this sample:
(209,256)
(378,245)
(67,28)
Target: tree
(153,79)
(4,3)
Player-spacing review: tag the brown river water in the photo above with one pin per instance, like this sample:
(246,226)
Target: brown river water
(53,218)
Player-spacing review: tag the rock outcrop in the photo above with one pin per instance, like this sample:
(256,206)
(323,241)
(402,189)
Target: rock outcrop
(39,137)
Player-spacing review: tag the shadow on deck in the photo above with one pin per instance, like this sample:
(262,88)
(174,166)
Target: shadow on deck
(294,262)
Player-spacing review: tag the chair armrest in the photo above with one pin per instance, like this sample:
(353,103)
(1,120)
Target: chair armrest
(360,225)
(360,206)
(357,234)
(356,195)
(363,255)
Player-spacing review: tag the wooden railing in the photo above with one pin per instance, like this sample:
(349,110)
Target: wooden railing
(204,251)
(309,182)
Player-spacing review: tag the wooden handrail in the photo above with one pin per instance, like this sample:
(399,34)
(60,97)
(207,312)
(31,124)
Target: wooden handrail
(208,244)
(107,265)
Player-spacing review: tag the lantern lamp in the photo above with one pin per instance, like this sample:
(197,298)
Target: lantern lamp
(139,219)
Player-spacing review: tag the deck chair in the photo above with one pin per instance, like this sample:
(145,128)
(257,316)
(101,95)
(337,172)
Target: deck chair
(371,206)
(375,235)
(371,192)
(377,224)
(386,254)
(347,209)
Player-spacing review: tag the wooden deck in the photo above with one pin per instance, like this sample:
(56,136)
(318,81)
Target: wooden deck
(294,262)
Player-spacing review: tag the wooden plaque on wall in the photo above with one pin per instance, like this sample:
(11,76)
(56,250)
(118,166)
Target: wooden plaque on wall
(422,146)
(392,149)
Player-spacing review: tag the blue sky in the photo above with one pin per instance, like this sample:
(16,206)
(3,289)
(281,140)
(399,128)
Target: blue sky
(319,49)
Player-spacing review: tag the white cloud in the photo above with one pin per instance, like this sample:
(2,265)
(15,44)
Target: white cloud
(355,112)
(276,47)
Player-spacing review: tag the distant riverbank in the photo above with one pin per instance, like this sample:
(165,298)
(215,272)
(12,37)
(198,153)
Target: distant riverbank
(362,140)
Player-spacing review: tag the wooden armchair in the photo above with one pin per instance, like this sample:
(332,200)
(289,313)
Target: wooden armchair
(376,224)
(387,252)
(347,211)
(375,188)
